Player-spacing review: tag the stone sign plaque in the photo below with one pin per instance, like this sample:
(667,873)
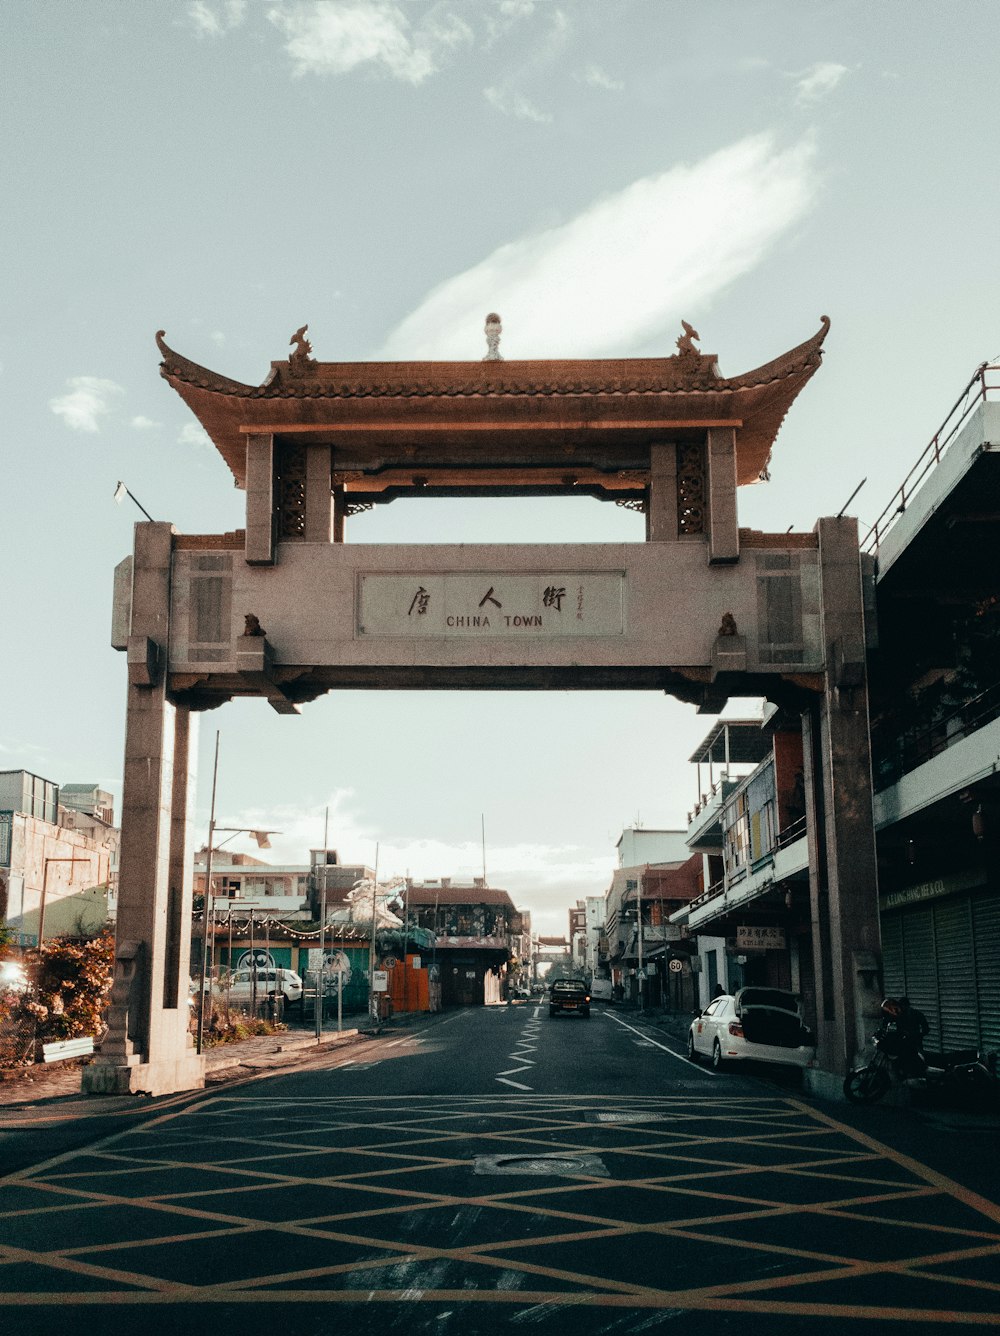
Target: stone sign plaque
(492,604)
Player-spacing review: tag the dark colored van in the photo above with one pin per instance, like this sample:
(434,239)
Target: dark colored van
(569,995)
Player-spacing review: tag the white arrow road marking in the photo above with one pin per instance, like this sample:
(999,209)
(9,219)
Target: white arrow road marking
(704,1071)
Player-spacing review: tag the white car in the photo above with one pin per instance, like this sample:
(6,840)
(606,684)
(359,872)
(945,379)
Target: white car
(757,1024)
(269,981)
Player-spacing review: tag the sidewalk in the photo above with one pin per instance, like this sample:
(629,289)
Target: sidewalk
(61,1080)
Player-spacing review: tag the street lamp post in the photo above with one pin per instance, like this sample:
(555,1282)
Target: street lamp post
(261,836)
(642,975)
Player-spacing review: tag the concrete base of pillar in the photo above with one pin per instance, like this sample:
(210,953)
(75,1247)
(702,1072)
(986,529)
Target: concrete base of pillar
(824,1085)
(144,1078)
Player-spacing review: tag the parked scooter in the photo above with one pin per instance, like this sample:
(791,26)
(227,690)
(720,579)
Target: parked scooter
(899,1059)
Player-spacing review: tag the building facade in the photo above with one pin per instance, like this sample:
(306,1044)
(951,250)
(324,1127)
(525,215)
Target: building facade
(58,865)
(477,931)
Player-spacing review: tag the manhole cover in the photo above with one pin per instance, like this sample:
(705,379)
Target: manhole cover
(563,1166)
(625,1117)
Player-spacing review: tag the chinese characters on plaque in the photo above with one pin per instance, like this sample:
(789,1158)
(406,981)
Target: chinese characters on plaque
(463,604)
(758,937)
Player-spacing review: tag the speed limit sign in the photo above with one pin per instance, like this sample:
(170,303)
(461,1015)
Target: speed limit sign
(675,966)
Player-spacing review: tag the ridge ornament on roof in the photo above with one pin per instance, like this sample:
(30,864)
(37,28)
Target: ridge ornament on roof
(493,329)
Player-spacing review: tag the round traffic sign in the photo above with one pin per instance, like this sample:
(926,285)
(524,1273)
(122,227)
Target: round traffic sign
(676,966)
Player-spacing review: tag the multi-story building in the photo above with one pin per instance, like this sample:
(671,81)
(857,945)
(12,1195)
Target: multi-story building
(578,937)
(934,701)
(935,710)
(477,929)
(752,918)
(58,864)
(643,954)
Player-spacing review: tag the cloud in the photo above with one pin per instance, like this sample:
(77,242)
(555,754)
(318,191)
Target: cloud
(544,878)
(626,269)
(88,400)
(818,82)
(324,38)
(599,78)
(511,103)
(141,423)
(192,434)
(209,22)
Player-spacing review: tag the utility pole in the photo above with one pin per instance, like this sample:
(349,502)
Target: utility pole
(207,908)
(321,972)
(642,975)
(372,1002)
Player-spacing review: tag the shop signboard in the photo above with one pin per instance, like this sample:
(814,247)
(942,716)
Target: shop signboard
(760,937)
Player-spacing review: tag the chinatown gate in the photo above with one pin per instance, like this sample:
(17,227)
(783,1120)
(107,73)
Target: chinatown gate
(286,610)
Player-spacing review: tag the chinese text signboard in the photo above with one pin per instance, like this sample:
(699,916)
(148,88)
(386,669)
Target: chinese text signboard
(759,938)
(547,604)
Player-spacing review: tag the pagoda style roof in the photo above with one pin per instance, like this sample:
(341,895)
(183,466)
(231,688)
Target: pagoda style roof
(496,424)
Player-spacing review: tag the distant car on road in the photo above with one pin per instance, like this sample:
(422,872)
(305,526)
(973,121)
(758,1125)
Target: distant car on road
(269,983)
(569,995)
(760,1024)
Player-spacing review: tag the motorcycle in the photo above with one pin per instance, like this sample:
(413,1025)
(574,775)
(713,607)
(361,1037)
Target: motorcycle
(899,1059)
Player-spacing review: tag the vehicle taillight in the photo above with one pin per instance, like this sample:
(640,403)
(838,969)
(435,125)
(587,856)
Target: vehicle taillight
(736,1029)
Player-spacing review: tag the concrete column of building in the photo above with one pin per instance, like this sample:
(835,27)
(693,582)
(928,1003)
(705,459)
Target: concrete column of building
(260,542)
(146,1049)
(340,513)
(319,495)
(843,878)
(661,510)
(720,485)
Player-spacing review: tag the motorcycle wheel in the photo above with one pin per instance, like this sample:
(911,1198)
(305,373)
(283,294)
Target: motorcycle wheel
(865,1085)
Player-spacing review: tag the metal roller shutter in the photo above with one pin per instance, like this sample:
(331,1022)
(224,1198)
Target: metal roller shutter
(956,974)
(986,938)
(920,959)
(893,965)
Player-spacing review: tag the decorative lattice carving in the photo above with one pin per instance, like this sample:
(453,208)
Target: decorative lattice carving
(291,490)
(690,489)
(632,503)
(358,507)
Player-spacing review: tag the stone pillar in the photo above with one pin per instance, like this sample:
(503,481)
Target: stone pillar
(340,513)
(661,514)
(147,1048)
(723,525)
(319,495)
(843,878)
(260,500)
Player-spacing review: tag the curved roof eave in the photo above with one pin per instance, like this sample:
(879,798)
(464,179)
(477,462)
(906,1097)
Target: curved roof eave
(764,395)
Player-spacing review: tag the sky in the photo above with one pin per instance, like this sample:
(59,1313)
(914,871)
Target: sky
(593,170)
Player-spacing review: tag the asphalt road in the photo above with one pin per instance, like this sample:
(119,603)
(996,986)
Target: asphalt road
(495,1168)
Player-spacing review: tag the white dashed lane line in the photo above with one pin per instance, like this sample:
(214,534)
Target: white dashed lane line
(679,1057)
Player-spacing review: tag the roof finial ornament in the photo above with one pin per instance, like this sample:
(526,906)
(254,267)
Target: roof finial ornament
(299,359)
(493,331)
(685,344)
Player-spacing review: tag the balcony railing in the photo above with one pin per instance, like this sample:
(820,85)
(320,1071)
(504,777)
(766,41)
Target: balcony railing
(984,384)
(895,755)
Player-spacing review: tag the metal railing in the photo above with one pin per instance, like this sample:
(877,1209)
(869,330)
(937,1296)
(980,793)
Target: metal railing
(979,389)
(896,754)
